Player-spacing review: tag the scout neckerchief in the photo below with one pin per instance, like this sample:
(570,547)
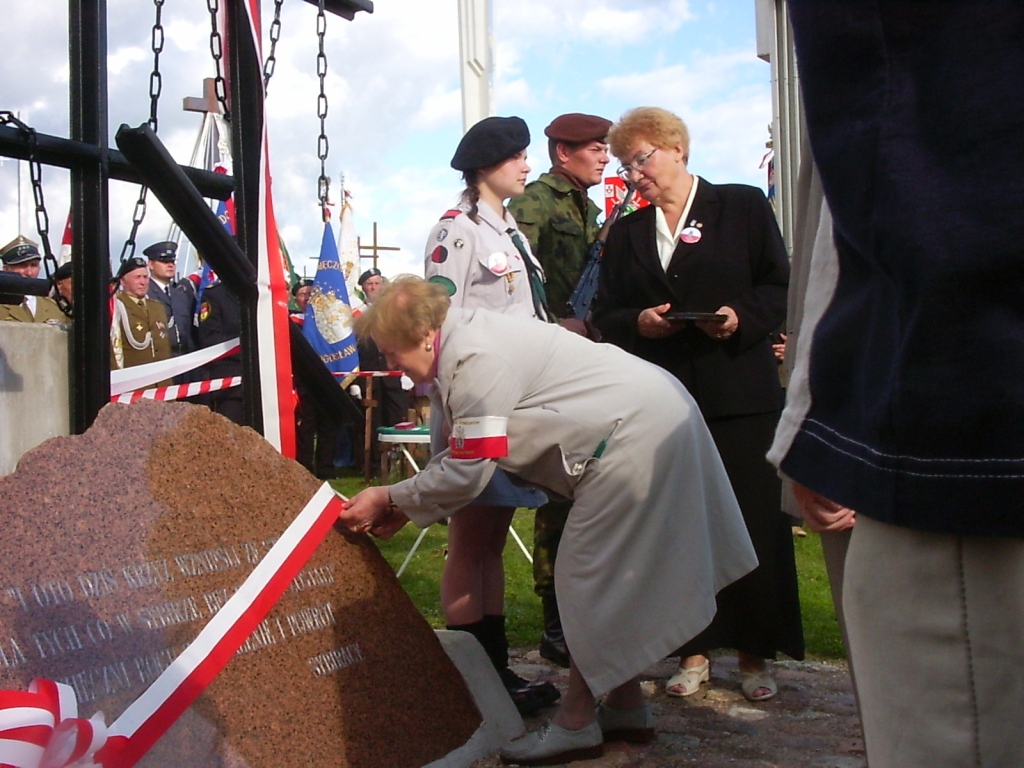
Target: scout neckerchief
(537,292)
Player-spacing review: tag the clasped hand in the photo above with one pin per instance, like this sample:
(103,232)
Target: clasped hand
(371,511)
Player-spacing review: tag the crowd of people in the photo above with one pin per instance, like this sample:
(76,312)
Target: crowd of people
(645,425)
(899,441)
(652,436)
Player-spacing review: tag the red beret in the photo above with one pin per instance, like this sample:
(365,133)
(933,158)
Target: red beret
(576,128)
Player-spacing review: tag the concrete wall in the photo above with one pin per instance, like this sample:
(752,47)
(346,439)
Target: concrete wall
(34,399)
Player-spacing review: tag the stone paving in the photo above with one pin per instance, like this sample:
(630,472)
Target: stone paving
(812,723)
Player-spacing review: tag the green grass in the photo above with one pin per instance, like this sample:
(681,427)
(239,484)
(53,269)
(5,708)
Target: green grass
(522,608)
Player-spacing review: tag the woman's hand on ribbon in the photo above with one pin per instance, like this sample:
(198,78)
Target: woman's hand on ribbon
(371,511)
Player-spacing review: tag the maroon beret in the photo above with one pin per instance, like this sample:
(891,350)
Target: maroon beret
(576,128)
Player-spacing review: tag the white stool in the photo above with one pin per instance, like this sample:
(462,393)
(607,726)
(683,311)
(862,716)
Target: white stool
(403,438)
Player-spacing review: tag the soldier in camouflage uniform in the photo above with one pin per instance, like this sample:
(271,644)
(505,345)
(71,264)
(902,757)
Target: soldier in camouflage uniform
(560,221)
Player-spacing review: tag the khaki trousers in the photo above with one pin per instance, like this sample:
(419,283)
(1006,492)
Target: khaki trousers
(936,628)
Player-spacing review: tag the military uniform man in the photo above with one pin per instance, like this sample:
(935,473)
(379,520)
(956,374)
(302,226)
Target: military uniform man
(21,256)
(138,331)
(63,279)
(555,212)
(560,221)
(177,297)
(220,319)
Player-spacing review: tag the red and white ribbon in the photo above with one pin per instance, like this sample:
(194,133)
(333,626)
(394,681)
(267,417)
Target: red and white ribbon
(141,376)
(148,718)
(177,391)
(41,728)
(370,374)
(30,724)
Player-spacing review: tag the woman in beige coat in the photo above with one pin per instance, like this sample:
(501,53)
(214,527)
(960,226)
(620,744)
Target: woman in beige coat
(654,531)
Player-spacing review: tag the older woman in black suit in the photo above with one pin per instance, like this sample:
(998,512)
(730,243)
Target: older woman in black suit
(696,283)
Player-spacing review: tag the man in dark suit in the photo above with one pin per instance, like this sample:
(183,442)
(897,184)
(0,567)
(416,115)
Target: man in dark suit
(178,297)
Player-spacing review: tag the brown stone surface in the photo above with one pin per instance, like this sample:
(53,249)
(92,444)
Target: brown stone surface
(812,723)
(118,546)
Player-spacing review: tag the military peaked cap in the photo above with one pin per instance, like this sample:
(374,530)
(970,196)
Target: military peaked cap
(19,250)
(165,251)
(130,265)
(576,128)
(371,272)
(490,141)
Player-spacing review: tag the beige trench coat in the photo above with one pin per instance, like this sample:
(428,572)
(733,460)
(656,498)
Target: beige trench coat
(654,532)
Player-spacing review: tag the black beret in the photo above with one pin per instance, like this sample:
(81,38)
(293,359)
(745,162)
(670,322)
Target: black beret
(130,265)
(63,272)
(371,272)
(576,128)
(302,283)
(20,250)
(165,251)
(490,141)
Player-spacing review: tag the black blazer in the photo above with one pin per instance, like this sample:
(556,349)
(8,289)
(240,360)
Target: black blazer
(739,261)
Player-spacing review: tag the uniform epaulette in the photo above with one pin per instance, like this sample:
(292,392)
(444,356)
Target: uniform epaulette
(450,214)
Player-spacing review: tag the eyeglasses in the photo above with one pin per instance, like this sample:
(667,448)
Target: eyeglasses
(637,165)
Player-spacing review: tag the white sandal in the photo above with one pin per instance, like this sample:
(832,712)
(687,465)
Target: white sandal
(761,679)
(687,680)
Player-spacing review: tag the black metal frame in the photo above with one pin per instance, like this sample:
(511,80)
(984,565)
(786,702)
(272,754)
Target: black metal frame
(93,164)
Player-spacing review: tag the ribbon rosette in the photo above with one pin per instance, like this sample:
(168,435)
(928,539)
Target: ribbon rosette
(41,728)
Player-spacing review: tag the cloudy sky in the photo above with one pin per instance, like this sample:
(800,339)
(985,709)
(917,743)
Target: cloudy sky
(394,115)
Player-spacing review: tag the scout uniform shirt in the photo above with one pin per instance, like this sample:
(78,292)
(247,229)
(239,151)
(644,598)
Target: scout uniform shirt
(138,332)
(479,264)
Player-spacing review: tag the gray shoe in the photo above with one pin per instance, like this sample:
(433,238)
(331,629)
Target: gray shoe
(553,745)
(635,726)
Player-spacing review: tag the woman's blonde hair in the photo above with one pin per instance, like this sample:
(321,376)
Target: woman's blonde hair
(404,311)
(652,124)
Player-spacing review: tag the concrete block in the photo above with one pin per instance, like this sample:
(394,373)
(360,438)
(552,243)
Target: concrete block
(34,399)
(501,720)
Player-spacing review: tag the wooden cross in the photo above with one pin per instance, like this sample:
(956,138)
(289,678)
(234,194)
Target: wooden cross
(208,103)
(373,251)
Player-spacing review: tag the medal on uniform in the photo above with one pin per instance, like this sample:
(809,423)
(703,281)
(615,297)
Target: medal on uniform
(510,278)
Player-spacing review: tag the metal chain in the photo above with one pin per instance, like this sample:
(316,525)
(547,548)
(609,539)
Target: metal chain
(42,218)
(155,87)
(322,146)
(156,80)
(275,35)
(217,51)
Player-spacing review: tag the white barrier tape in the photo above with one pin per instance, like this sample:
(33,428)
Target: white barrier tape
(141,376)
